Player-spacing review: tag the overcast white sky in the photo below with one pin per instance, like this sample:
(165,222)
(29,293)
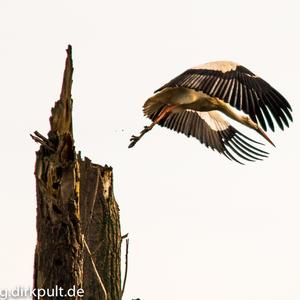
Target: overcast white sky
(200,226)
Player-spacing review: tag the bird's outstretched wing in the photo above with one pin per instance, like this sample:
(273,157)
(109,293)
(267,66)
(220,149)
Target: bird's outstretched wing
(239,87)
(215,132)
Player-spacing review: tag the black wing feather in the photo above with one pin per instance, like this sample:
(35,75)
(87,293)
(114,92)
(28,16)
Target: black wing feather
(227,141)
(241,89)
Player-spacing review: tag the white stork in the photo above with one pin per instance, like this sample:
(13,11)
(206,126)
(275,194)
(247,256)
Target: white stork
(191,102)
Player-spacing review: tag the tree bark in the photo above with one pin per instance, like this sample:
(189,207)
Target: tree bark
(78,228)
(101,227)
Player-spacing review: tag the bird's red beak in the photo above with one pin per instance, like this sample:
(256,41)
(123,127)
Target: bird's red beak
(261,132)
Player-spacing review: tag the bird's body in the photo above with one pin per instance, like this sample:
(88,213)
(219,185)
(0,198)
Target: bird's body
(183,98)
(191,102)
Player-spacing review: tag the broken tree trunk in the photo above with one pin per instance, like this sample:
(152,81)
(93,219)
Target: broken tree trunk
(101,227)
(78,228)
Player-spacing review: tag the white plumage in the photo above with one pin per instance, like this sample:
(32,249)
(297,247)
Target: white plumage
(221,65)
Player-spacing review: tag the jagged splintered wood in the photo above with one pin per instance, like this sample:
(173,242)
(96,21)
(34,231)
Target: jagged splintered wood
(76,209)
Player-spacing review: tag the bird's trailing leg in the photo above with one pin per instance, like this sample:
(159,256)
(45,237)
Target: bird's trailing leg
(134,139)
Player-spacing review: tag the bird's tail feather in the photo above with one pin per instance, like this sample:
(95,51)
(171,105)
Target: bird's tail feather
(152,108)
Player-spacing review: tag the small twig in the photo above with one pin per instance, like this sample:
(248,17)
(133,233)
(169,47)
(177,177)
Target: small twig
(42,142)
(124,236)
(95,269)
(126,267)
(41,136)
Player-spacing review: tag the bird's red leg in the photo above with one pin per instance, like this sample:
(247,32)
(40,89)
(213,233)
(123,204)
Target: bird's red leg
(162,115)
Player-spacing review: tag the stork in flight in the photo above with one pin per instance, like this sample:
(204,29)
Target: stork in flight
(191,104)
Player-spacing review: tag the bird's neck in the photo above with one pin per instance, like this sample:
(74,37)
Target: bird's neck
(236,115)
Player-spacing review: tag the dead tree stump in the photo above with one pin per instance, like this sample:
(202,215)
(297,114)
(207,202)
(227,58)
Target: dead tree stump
(78,228)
